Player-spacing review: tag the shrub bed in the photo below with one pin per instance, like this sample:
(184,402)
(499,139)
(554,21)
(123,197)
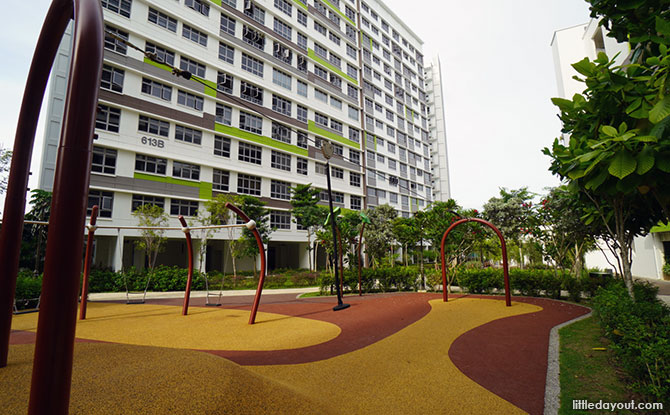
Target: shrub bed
(382,279)
(639,329)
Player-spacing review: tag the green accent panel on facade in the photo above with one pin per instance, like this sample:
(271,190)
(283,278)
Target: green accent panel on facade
(300,4)
(312,55)
(205,190)
(166,179)
(157,65)
(267,141)
(217,2)
(375,138)
(339,12)
(661,228)
(311,126)
(211,91)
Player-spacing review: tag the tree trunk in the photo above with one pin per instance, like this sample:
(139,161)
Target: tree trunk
(578,264)
(309,249)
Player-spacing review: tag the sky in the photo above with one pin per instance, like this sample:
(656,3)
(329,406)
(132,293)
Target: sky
(497,73)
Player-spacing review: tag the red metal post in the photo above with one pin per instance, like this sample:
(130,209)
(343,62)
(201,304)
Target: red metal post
(54,345)
(261,250)
(87,263)
(56,20)
(508,298)
(189,280)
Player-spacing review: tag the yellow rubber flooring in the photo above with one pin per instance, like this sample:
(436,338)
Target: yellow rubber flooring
(203,328)
(406,373)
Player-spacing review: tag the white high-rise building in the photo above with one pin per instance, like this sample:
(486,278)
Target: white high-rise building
(438,132)
(272,80)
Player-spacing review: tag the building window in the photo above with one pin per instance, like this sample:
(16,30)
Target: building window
(354,156)
(354,135)
(302,18)
(354,179)
(162,20)
(321,119)
(283,29)
(302,139)
(196,68)
(254,38)
(194,35)
(352,91)
(336,125)
(285,6)
(302,41)
(227,24)
(150,164)
(281,105)
(282,53)
(320,95)
(301,165)
(255,12)
(251,123)
(221,146)
(332,36)
(156,89)
(319,28)
(141,200)
(221,180)
(189,100)
(280,219)
(252,65)
(302,113)
(104,160)
(353,112)
(249,153)
(251,93)
(183,207)
(281,133)
(281,161)
(113,44)
(107,118)
(338,197)
(199,6)
(187,134)
(319,168)
(224,114)
(154,126)
(336,103)
(280,190)
(185,170)
(302,88)
(337,172)
(112,78)
(226,53)
(355,202)
(104,200)
(302,64)
(162,54)
(121,7)
(248,185)
(282,79)
(224,82)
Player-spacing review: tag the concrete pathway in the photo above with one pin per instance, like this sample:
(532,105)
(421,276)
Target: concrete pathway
(202,294)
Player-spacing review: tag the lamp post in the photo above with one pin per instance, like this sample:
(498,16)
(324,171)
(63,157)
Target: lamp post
(327,150)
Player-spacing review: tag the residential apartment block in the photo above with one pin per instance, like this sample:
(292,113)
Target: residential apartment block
(271,81)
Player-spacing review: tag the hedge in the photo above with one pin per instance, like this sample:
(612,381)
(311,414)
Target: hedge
(639,329)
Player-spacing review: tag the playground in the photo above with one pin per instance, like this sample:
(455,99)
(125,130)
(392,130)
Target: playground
(387,353)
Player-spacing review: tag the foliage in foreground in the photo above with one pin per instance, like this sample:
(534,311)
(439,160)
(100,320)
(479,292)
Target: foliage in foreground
(639,329)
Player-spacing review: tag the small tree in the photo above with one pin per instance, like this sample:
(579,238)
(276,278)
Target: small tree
(255,209)
(307,213)
(379,234)
(219,214)
(5,159)
(40,202)
(152,241)
(405,232)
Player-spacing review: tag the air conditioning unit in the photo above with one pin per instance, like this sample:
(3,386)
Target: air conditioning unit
(277,48)
(287,53)
(247,5)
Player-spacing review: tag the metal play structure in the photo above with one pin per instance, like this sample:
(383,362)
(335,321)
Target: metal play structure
(249,224)
(445,293)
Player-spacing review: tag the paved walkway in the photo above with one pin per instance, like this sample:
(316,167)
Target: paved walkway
(201,294)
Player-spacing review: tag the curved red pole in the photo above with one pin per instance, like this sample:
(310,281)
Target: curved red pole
(261,250)
(189,280)
(54,345)
(87,263)
(508,299)
(56,20)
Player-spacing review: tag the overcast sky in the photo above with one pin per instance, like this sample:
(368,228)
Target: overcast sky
(497,72)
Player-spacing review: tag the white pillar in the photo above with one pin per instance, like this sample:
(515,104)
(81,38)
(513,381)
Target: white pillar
(118,253)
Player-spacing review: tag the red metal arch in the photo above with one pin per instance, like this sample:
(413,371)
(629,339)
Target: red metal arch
(445,295)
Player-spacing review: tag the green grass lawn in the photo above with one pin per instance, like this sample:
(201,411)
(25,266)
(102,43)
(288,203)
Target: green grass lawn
(586,373)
